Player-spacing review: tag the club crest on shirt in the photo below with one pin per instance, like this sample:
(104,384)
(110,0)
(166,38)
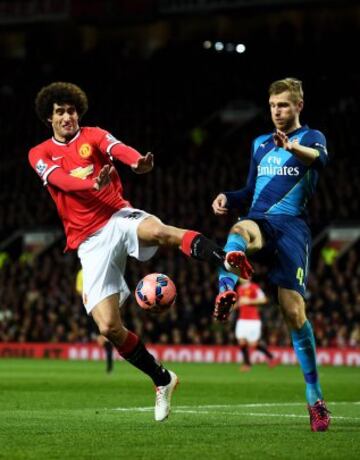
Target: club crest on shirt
(82,173)
(85,151)
(111,138)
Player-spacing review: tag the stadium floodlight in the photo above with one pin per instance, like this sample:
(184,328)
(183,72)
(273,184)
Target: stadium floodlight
(240,48)
(230,47)
(207,44)
(219,46)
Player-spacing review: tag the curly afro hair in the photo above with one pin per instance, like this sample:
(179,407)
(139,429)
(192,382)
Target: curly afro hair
(59,93)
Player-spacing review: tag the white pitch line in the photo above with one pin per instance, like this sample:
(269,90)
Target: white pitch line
(258,414)
(201,411)
(234,406)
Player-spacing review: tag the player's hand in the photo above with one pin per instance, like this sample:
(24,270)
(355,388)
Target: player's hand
(219,205)
(144,165)
(104,177)
(281,140)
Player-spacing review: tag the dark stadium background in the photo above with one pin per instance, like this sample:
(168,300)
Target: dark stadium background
(153,83)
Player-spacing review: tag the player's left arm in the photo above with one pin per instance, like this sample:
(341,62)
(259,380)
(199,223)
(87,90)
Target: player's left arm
(311,151)
(111,146)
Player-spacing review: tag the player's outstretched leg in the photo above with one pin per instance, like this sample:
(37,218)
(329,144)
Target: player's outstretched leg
(152,231)
(232,262)
(236,259)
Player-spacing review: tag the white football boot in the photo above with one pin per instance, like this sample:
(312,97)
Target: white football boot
(163,398)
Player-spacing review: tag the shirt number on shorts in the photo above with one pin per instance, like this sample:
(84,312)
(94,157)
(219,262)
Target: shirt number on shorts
(300,276)
(133,215)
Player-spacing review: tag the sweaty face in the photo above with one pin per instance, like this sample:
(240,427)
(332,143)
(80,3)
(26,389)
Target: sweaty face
(64,121)
(285,112)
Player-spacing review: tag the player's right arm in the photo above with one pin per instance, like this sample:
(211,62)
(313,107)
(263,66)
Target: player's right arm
(114,148)
(235,199)
(52,173)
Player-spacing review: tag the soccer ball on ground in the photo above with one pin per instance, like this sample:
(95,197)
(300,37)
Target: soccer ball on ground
(155,293)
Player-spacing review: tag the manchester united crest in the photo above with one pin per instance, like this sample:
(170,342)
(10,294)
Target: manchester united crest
(85,151)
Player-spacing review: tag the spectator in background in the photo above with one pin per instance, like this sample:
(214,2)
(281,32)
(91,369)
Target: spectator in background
(250,296)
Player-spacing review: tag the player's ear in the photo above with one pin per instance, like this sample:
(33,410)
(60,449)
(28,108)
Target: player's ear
(301,105)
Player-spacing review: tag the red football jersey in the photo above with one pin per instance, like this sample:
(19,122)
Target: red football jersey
(252,291)
(82,212)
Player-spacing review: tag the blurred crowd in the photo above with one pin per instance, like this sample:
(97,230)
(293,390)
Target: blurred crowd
(173,113)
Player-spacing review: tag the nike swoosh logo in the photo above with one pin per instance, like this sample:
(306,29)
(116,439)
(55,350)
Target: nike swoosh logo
(56,158)
(217,255)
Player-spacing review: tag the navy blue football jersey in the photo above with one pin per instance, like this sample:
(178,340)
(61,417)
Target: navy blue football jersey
(278,182)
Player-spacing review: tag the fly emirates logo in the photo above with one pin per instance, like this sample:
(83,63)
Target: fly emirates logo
(274,168)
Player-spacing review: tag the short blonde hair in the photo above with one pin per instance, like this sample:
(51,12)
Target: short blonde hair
(293,85)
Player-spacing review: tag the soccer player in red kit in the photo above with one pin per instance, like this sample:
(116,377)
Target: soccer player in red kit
(76,165)
(248,326)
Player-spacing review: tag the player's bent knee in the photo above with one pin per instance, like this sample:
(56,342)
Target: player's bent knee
(292,307)
(242,231)
(111,331)
(295,316)
(251,233)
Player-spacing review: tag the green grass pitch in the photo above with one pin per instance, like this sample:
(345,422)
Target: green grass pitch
(74,410)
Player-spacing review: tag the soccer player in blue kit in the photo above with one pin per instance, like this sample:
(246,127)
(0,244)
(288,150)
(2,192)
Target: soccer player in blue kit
(283,173)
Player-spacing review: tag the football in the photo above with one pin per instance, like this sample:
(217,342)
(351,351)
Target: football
(155,293)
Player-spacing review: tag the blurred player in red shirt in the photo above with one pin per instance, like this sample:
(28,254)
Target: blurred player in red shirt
(248,325)
(76,166)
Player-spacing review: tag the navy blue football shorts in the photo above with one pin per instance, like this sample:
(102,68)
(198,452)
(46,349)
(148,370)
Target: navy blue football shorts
(287,250)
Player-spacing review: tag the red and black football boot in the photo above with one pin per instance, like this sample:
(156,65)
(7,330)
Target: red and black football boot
(237,263)
(224,303)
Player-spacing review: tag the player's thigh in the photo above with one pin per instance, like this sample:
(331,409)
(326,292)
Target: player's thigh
(123,234)
(292,306)
(106,314)
(251,231)
(103,260)
(151,231)
(291,263)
